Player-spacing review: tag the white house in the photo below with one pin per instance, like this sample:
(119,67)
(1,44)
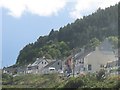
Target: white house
(37,66)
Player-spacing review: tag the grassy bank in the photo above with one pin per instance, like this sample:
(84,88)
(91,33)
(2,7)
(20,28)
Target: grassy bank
(54,81)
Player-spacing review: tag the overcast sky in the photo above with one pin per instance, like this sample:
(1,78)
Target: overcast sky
(23,21)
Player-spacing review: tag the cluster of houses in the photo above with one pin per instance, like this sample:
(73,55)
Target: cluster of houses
(103,57)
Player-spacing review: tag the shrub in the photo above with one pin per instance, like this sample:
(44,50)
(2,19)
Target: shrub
(100,75)
(7,79)
(74,83)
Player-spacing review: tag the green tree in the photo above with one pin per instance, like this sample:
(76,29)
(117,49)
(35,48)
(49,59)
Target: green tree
(87,32)
(114,41)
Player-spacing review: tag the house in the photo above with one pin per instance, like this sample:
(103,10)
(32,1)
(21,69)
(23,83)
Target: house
(113,67)
(9,70)
(21,70)
(67,68)
(97,59)
(90,60)
(74,64)
(52,67)
(37,66)
(79,61)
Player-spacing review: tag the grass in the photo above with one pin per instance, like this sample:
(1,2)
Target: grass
(32,81)
(54,81)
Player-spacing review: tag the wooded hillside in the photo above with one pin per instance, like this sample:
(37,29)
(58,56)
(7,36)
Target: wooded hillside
(60,43)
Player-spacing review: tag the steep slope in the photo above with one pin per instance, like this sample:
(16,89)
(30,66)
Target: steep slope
(60,43)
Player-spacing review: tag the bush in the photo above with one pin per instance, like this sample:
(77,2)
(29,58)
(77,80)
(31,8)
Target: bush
(100,75)
(74,83)
(7,79)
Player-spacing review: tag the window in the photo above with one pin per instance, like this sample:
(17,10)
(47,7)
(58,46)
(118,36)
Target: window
(58,63)
(51,69)
(82,62)
(101,66)
(84,68)
(37,67)
(29,68)
(89,67)
(42,62)
(116,63)
(45,62)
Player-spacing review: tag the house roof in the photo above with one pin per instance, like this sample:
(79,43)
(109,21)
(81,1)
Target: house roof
(50,60)
(38,60)
(105,47)
(51,63)
(29,65)
(9,69)
(19,69)
(81,55)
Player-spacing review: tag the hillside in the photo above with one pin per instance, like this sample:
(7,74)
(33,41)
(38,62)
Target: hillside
(60,43)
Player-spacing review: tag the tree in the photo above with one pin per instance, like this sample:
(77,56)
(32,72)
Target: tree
(87,32)
(114,41)
(94,42)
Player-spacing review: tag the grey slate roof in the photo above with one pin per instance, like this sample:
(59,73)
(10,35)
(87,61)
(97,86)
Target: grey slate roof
(10,69)
(82,54)
(21,69)
(51,63)
(39,61)
(36,62)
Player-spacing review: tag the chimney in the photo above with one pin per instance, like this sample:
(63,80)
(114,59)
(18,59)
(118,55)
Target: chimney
(82,50)
(97,48)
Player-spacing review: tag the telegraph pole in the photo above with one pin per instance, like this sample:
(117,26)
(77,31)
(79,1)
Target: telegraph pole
(73,62)
(73,67)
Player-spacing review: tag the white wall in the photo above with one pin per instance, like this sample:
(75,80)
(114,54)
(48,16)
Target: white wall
(96,58)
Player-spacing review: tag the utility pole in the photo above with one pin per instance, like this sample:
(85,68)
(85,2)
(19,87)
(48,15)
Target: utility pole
(73,62)
(73,67)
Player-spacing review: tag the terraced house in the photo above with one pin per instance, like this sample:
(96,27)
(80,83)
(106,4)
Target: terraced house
(92,61)
(85,61)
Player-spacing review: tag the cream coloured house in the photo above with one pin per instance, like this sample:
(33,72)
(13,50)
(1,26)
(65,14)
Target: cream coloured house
(97,59)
